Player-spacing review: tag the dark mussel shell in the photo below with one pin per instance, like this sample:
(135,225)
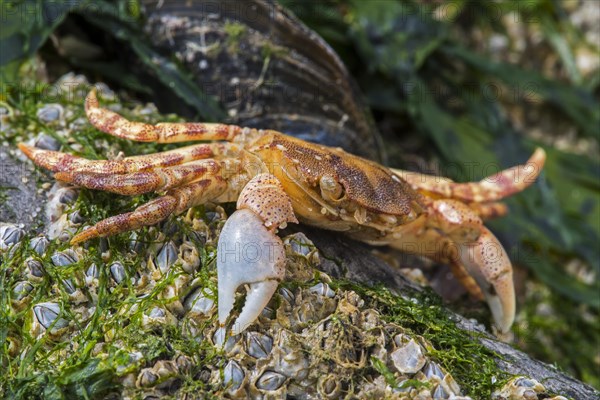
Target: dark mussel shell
(267,69)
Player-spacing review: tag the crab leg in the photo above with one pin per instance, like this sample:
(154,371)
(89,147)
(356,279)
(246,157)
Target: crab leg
(491,188)
(453,233)
(61,162)
(487,211)
(487,261)
(175,201)
(145,181)
(468,282)
(478,250)
(114,124)
(249,251)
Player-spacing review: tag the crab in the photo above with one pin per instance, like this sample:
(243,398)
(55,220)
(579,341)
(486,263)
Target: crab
(277,179)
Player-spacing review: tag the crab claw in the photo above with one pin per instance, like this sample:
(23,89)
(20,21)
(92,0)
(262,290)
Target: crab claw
(247,253)
(487,262)
(477,249)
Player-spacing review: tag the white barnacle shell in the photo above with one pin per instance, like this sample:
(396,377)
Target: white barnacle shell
(299,244)
(50,113)
(166,256)
(60,196)
(288,357)
(76,218)
(287,294)
(233,376)
(258,345)
(322,289)
(135,245)
(433,370)
(46,142)
(408,358)
(64,258)
(270,381)
(68,285)
(229,344)
(35,269)
(158,317)
(200,301)
(190,259)
(146,378)
(21,290)
(92,272)
(47,318)
(440,392)
(21,295)
(163,373)
(117,271)
(39,244)
(329,386)
(451,384)
(10,236)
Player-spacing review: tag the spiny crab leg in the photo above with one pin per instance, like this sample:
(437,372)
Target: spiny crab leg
(175,201)
(491,210)
(114,124)
(145,181)
(62,162)
(249,252)
(491,188)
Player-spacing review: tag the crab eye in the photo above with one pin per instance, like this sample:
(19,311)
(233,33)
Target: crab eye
(330,188)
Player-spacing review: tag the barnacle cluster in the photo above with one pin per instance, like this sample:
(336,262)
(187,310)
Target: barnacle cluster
(311,341)
(521,387)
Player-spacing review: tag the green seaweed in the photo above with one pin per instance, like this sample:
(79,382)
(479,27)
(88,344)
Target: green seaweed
(235,32)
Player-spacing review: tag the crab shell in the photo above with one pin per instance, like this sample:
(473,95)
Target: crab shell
(327,185)
(334,190)
(277,179)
